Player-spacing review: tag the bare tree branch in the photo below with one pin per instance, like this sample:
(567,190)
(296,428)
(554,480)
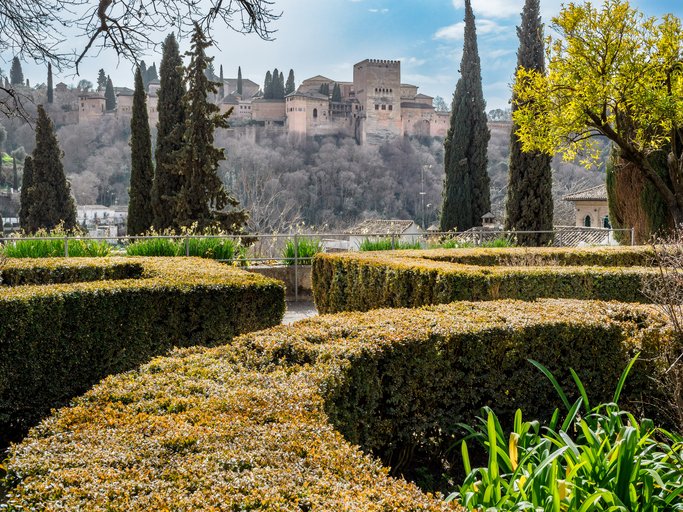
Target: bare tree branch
(39,29)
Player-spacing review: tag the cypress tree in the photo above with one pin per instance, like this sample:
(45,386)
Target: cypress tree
(466,188)
(15,174)
(101,80)
(290,86)
(109,96)
(16,74)
(221,79)
(49,196)
(268,86)
(239,80)
(529,204)
(140,215)
(151,74)
(203,199)
(143,70)
(336,93)
(281,87)
(26,183)
(276,84)
(167,183)
(50,89)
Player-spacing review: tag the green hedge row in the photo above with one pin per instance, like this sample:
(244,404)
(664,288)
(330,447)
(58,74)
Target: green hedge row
(274,420)
(363,281)
(57,340)
(17,272)
(636,256)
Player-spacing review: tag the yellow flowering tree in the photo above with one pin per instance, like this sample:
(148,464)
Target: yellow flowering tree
(616,73)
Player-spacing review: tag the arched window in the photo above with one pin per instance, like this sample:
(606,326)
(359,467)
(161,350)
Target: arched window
(606,222)
(587,221)
(315,113)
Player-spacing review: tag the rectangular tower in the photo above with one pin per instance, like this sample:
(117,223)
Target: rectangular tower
(377,84)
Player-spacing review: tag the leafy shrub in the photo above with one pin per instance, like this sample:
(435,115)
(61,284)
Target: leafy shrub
(59,339)
(246,426)
(307,248)
(362,281)
(601,459)
(386,244)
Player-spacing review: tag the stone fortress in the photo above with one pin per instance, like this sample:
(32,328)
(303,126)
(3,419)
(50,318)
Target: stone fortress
(375,107)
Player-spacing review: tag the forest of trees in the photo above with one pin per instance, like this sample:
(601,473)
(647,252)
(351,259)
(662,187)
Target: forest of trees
(282,181)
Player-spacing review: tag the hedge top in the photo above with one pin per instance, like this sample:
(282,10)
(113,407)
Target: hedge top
(25,278)
(246,427)
(636,256)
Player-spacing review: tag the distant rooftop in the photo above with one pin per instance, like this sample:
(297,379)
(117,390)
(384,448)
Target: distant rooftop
(598,193)
(382,227)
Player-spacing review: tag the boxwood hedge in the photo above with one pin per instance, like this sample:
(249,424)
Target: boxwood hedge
(57,339)
(363,281)
(634,256)
(274,421)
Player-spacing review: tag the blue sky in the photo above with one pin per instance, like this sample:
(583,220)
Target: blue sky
(328,36)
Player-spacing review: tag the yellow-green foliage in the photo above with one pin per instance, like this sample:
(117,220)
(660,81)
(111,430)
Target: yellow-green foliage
(635,256)
(56,340)
(258,424)
(363,281)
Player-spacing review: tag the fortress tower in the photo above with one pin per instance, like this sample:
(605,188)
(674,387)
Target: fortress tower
(378,89)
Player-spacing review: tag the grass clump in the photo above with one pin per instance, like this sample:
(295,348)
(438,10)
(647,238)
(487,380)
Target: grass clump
(211,247)
(386,244)
(599,458)
(51,244)
(304,249)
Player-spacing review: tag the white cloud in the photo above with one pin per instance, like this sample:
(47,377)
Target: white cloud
(380,11)
(509,8)
(457,31)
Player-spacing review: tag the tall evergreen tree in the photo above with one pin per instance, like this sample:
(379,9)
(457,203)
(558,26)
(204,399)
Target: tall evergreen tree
(49,199)
(336,93)
(109,96)
(140,215)
(26,183)
(167,183)
(529,204)
(221,80)
(101,80)
(290,86)
(281,87)
(466,196)
(203,199)
(15,174)
(50,89)
(152,74)
(239,80)
(16,74)
(268,86)
(3,139)
(276,84)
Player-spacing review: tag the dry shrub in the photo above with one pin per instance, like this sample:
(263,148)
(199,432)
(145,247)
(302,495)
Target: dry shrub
(665,289)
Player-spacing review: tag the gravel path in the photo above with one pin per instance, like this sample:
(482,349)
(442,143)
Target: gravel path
(298,311)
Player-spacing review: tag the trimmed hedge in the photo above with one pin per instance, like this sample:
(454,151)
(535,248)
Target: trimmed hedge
(249,426)
(634,256)
(57,340)
(18,272)
(363,281)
